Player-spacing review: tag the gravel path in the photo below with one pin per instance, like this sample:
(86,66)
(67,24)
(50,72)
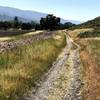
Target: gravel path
(63,81)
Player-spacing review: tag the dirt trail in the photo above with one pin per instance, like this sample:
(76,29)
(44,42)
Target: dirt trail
(63,81)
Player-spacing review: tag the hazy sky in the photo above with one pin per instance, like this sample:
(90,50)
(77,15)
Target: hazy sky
(69,9)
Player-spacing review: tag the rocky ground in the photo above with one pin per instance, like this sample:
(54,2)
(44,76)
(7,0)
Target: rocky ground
(63,81)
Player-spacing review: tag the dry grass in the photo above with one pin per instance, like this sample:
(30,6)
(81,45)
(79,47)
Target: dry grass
(90,56)
(21,68)
(76,32)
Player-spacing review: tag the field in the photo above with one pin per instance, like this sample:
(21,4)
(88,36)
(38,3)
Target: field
(90,57)
(16,34)
(10,33)
(21,68)
(89,42)
(90,34)
(95,49)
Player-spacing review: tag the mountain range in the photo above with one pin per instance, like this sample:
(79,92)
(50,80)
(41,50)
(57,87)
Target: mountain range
(8,13)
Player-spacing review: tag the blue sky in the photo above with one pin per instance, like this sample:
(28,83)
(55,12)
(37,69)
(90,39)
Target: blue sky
(69,9)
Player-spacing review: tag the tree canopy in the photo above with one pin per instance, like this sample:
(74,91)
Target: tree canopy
(50,22)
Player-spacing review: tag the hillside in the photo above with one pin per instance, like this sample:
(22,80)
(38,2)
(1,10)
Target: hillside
(94,23)
(25,14)
(9,18)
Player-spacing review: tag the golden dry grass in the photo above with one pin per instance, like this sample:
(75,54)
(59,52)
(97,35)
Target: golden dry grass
(90,56)
(75,32)
(21,68)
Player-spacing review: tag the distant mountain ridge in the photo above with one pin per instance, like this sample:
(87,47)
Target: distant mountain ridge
(8,13)
(8,18)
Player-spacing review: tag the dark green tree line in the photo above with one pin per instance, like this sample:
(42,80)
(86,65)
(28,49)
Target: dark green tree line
(50,22)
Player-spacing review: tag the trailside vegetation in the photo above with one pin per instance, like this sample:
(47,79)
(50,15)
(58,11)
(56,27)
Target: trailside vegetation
(90,34)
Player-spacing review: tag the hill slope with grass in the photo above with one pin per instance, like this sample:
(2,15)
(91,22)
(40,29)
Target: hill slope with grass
(94,23)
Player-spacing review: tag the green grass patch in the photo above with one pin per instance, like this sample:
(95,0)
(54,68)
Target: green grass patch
(21,68)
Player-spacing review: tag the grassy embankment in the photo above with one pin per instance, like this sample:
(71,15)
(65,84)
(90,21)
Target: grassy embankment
(21,68)
(88,34)
(90,57)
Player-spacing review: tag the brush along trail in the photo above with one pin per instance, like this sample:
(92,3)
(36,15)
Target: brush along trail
(63,81)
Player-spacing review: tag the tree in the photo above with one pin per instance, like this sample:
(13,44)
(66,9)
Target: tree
(26,26)
(66,25)
(16,22)
(5,25)
(1,25)
(33,24)
(38,27)
(50,22)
